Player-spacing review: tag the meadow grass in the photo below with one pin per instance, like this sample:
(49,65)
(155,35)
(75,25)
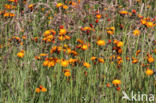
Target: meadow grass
(25,32)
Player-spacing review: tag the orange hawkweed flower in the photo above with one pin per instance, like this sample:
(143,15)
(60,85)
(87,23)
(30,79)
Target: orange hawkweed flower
(59,5)
(84,47)
(87,28)
(119,44)
(149,71)
(134,60)
(20,54)
(62,32)
(150,59)
(64,63)
(43,89)
(98,16)
(136,32)
(149,24)
(110,32)
(37,90)
(138,51)
(65,7)
(80,41)
(116,82)
(67,74)
(143,21)
(123,12)
(93,58)
(100,42)
(40,89)
(101,60)
(87,65)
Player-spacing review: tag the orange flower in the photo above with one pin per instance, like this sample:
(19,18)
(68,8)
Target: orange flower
(134,60)
(62,32)
(64,63)
(42,54)
(20,54)
(86,28)
(116,82)
(45,63)
(98,16)
(100,42)
(101,60)
(51,63)
(67,74)
(87,65)
(123,12)
(93,58)
(150,59)
(149,71)
(59,5)
(84,47)
(80,41)
(136,32)
(110,32)
(65,7)
(143,21)
(138,51)
(61,38)
(43,89)
(108,85)
(149,24)
(37,90)
(119,44)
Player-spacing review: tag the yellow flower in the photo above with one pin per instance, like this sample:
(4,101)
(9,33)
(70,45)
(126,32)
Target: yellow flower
(87,65)
(119,44)
(59,5)
(64,63)
(20,54)
(62,32)
(100,42)
(136,32)
(116,82)
(149,71)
